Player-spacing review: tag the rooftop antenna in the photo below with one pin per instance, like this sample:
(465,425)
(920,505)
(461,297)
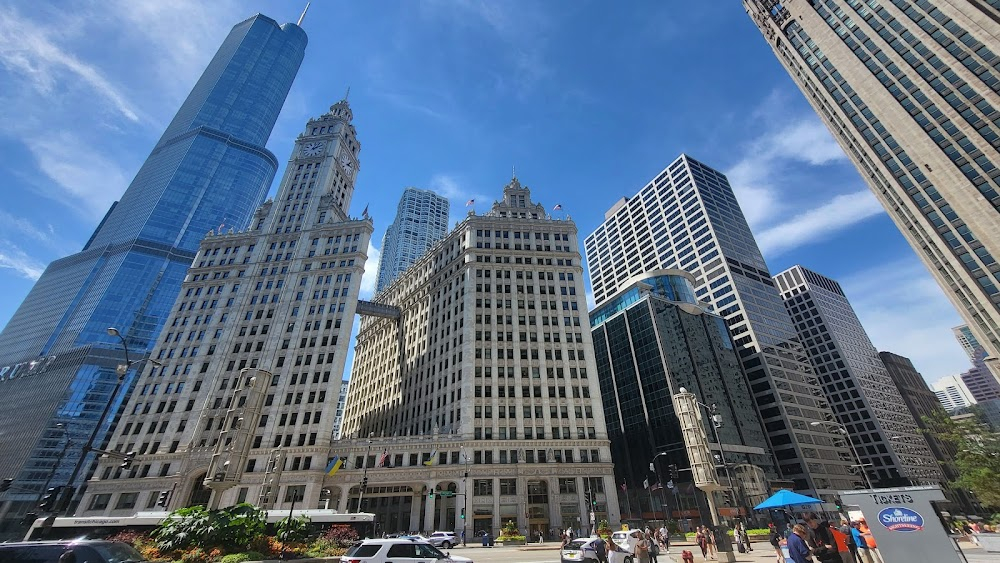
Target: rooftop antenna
(513,174)
(348,93)
(303,16)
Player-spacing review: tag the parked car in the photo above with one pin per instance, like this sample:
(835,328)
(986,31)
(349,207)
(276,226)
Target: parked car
(583,550)
(444,539)
(397,549)
(91,551)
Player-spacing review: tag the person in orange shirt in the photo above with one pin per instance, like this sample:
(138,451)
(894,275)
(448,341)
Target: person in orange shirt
(842,548)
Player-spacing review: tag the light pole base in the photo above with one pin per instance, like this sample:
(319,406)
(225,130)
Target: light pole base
(726,556)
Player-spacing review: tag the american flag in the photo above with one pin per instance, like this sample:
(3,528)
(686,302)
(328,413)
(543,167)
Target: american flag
(624,488)
(382,459)
(470,202)
(558,207)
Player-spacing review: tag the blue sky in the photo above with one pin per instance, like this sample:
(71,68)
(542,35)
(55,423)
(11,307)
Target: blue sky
(588,101)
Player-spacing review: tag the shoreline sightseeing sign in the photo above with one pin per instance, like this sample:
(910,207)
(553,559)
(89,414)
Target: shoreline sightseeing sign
(901,519)
(905,524)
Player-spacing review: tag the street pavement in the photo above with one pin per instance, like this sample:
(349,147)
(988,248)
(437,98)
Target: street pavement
(549,553)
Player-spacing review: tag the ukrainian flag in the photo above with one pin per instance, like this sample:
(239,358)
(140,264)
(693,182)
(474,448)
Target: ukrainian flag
(334,466)
(432,459)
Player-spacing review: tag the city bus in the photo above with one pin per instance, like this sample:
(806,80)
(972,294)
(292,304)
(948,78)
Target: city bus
(100,527)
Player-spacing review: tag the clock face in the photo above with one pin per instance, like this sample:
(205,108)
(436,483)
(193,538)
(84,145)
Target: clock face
(346,161)
(312,149)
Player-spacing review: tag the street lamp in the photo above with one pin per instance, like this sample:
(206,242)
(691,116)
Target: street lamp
(847,436)
(121,370)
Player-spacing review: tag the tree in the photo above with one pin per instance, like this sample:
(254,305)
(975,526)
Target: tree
(230,528)
(977,455)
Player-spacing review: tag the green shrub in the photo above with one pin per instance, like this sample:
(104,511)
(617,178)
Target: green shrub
(236,558)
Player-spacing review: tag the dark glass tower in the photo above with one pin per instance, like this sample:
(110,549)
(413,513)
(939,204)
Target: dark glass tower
(652,338)
(209,171)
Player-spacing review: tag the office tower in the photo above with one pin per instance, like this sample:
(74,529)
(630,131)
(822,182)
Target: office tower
(687,218)
(421,221)
(338,417)
(968,342)
(855,381)
(478,376)
(923,405)
(651,339)
(208,171)
(909,90)
(952,393)
(253,353)
(980,382)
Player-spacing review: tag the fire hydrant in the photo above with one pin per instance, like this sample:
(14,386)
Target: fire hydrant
(687,556)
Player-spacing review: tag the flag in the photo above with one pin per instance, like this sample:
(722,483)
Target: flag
(432,459)
(558,207)
(470,202)
(334,466)
(365,212)
(382,459)
(645,483)
(656,486)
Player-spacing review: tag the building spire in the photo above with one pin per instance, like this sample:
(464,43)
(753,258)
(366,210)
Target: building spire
(347,94)
(513,174)
(303,16)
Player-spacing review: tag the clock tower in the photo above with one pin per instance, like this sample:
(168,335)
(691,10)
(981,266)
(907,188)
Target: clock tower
(319,180)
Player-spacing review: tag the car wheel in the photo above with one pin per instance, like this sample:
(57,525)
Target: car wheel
(446,545)
(628,560)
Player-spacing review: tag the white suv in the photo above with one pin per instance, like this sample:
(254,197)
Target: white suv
(398,550)
(444,539)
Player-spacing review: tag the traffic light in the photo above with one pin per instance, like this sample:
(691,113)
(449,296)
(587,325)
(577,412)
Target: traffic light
(674,474)
(431,494)
(5,485)
(463,514)
(839,504)
(28,518)
(48,502)
(65,498)
(127,462)
(164,497)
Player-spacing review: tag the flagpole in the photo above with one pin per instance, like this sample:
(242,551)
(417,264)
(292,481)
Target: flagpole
(628,503)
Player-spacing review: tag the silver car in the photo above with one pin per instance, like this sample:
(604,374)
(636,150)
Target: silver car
(444,539)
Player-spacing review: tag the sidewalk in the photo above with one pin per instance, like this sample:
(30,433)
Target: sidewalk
(763,552)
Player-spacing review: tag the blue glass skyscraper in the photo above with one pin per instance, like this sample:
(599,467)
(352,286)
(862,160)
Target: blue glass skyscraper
(209,171)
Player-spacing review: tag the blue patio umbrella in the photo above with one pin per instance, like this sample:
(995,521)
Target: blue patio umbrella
(785,498)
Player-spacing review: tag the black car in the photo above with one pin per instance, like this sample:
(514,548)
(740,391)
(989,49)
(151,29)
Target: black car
(91,551)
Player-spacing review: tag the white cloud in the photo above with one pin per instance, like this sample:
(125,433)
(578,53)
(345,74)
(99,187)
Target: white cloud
(80,171)
(905,312)
(28,49)
(761,173)
(819,222)
(13,258)
(458,195)
(370,279)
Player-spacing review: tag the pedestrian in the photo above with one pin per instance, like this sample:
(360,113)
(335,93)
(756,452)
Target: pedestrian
(788,530)
(821,540)
(842,548)
(776,539)
(601,549)
(699,538)
(642,554)
(665,537)
(710,538)
(864,555)
(797,548)
(852,546)
(654,548)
